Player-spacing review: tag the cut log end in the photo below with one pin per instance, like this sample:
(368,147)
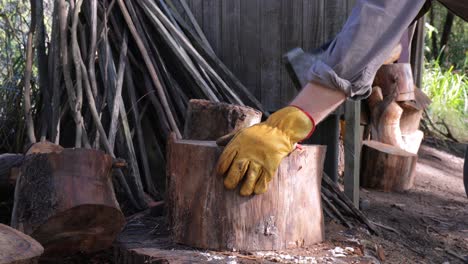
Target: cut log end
(387,167)
(18,248)
(204,214)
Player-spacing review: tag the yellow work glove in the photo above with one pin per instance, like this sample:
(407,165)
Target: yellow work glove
(256,152)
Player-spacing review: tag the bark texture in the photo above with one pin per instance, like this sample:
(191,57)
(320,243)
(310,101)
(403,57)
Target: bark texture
(204,214)
(208,120)
(66,201)
(387,167)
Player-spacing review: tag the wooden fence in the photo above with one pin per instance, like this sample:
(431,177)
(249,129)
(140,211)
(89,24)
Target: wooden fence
(250,37)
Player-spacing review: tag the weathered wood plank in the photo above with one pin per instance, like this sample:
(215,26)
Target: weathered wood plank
(196,6)
(212,23)
(291,31)
(352,148)
(250,45)
(230,34)
(335,13)
(312,24)
(270,71)
(250,37)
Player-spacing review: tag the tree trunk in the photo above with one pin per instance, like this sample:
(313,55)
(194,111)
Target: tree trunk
(18,248)
(387,167)
(446,32)
(204,214)
(66,201)
(208,121)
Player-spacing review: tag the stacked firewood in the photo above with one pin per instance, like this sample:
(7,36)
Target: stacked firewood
(396,106)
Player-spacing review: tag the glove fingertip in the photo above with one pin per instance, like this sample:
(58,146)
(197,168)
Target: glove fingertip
(262,184)
(224,162)
(246,191)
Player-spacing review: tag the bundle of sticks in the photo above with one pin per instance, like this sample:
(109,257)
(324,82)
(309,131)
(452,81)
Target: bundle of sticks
(117,75)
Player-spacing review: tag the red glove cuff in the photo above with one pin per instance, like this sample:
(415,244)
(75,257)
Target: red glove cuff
(311,119)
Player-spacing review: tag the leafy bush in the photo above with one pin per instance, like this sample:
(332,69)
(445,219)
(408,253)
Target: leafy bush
(448,90)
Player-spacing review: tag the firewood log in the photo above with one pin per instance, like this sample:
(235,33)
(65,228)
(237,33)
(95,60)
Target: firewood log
(204,214)
(396,80)
(18,248)
(394,123)
(386,167)
(66,201)
(208,120)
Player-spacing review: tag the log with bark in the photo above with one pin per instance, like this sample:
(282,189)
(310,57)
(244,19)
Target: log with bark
(65,200)
(396,79)
(204,214)
(387,167)
(18,248)
(207,120)
(335,204)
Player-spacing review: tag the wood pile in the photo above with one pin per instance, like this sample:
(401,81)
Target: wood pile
(396,106)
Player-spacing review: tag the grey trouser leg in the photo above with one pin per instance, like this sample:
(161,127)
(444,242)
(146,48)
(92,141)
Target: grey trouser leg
(366,40)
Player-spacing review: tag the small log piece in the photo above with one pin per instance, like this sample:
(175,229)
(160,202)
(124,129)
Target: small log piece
(66,201)
(208,120)
(18,248)
(44,147)
(396,79)
(387,167)
(395,123)
(204,214)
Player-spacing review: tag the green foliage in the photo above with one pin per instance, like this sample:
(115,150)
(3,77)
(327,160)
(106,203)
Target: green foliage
(456,50)
(448,90)
(14,25)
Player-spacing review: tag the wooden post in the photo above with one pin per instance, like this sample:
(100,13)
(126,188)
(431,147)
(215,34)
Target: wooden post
(204,214)
(328,133)
(352,148)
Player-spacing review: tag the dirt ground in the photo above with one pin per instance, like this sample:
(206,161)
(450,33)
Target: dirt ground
(431,220)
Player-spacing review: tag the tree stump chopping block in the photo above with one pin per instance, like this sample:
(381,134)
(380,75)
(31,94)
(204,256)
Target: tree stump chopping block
(203,214)
(209,120)
(18,248)
(65,200)
(386,167)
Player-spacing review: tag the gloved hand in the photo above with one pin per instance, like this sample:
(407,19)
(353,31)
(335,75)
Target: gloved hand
(254,154)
